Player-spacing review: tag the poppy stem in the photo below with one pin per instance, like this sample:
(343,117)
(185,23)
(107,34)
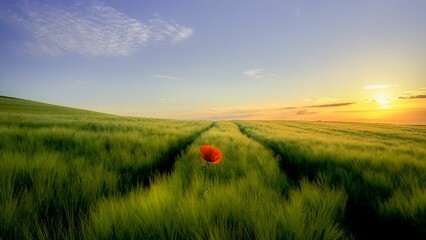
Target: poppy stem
(205,171)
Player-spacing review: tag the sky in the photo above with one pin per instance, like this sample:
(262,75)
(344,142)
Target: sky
(339,60)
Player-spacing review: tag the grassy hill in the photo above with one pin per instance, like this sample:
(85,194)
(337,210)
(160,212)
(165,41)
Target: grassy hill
(76,174)
(56,163)
(10,105)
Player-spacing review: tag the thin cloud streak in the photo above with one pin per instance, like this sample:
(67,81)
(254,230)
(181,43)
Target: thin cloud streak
(413,97)
(253,72)
(257,73)
(414,94)
(79,82)
(161,30)
(88,29)
(168,100)
(321,105)
(304,112)
(159,76)
(267,113)
(332,105)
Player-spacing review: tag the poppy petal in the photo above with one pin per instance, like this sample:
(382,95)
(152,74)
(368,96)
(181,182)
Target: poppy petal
(211,154)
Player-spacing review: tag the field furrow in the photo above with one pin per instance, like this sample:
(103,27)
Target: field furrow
(131,176)
(382,201)
(246,196)
(54,168)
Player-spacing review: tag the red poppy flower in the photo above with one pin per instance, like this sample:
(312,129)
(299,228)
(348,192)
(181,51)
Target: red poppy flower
(211,154)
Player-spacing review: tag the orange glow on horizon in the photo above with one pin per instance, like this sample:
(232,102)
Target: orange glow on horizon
(382,109)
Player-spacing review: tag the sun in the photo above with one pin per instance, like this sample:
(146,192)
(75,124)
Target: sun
(382,100)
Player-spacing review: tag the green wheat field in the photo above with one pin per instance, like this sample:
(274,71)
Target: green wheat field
(74,174)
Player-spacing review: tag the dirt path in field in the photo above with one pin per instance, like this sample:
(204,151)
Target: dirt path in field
(361,218)
(292,171)
(130,178)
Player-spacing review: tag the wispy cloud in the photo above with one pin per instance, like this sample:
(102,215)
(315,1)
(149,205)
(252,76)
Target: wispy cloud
(88,28)
(304,112)
(341,104)
(332,105)
(412,97)
(166,77)
(161,30)
(168,100)
(292,112)
(258,74)
(253,72)
(79,82)
(414,94)
(371,87)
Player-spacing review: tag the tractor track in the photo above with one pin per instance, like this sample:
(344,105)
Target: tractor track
(361,219)
(163,165)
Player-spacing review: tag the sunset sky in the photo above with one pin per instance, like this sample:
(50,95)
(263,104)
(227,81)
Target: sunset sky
(361,60)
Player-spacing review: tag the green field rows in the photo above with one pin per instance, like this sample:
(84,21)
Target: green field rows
(247,197)
(381,167)
(56,165)
(74,174)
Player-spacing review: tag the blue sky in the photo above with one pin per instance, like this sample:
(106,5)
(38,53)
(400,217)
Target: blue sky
(214,59)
